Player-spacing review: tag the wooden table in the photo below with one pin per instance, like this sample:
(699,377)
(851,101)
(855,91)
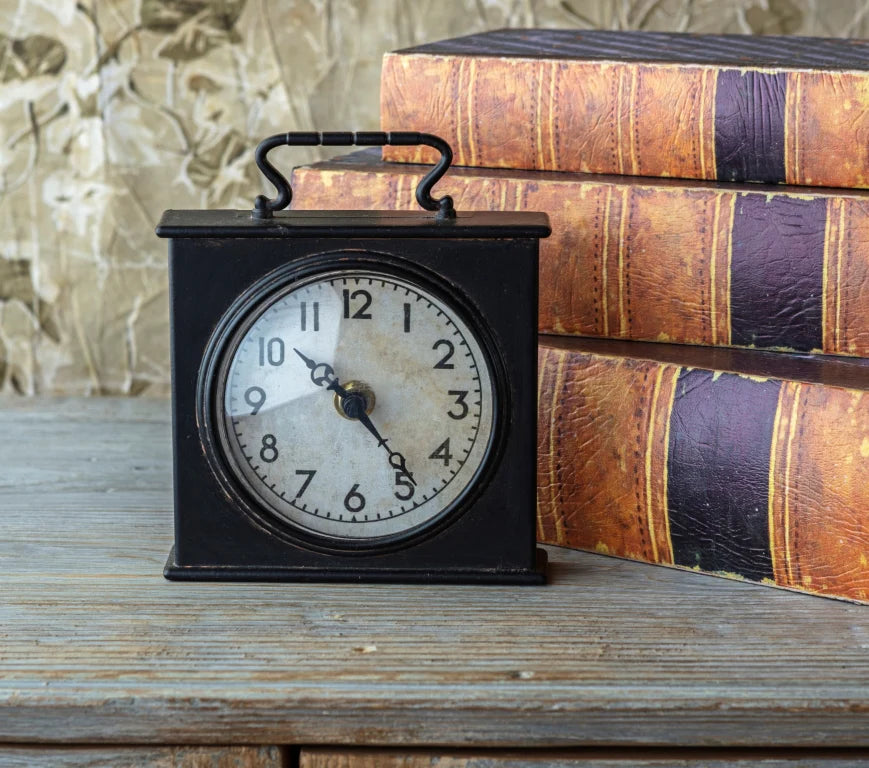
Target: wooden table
(96,648)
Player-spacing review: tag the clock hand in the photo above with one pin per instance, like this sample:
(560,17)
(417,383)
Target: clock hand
(353,405)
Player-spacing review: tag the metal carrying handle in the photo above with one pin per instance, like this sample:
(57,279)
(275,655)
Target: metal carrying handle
(264,208)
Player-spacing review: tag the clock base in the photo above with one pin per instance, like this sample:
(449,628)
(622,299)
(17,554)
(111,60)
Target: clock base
(532,576)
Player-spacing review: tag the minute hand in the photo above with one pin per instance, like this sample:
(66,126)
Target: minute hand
(354,407)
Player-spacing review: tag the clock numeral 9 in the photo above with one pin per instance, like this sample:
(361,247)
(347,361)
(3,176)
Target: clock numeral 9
(444,361)
(359,314)
(255,397)
(273,351)
(460,395)
(442,452)
(402,480)
(354,501)
(269,452)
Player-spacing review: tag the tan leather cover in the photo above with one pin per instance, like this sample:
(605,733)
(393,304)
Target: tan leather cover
(607,472)
(657,259)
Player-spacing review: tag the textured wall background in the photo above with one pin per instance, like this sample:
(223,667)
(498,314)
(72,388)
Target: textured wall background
(112,110)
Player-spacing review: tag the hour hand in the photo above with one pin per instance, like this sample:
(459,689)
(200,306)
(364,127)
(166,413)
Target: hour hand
(322,374)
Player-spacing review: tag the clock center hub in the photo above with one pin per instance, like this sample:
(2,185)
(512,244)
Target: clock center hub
(360,397)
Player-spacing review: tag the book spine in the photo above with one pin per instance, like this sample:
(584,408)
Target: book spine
(660,261)
(651,119)
(758,478)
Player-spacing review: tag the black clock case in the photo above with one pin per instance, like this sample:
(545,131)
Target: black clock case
(489,260)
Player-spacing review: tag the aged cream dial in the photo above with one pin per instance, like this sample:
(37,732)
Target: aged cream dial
(356,405)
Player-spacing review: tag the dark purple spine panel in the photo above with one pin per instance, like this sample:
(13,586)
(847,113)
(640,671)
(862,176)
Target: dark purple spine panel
(750,126)
(777,267)
(718,472)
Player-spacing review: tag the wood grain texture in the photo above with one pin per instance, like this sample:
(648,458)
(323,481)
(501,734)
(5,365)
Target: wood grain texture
(96,647)
(659,260)
(692,106)
(141,757)
(367,758)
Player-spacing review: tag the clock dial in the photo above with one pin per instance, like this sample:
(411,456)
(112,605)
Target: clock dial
(356,405)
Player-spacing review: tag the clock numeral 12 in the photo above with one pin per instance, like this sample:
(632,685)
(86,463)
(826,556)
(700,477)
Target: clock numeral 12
(361,313)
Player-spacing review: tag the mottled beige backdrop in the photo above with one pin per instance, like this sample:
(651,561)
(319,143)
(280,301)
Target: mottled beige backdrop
(112,110)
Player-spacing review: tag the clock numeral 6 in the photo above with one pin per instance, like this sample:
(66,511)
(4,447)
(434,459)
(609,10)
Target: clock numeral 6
(255,397)
(354,501)
(442,452)
(273,351)
(444,361)
(359,314)
(269,452)
(460,395)
(402,480)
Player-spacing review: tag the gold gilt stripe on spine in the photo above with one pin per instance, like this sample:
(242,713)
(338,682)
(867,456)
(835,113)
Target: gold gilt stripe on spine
(604,258)
(633,106)
(708,90)
(623,247)
(713,258)
(781,484)
(650,446)
(719,267)
(473,158)
(837,289)
(657,450)
(554,69)
(620,108)
(544,490)
(560,536)
(665,463)
(792,114)
(727,336)
(828,301)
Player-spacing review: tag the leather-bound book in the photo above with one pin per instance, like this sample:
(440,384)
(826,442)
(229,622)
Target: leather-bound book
(660,259)
(740,463)
(725,107)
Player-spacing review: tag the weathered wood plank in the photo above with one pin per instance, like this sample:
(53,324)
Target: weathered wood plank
(96,647)
(141,757)
(369,758)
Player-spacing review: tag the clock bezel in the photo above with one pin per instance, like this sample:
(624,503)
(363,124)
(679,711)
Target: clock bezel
(216,361)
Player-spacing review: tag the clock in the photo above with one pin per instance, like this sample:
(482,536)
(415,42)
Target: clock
(354,392)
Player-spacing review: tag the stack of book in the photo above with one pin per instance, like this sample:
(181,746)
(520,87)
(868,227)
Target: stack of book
(704,348)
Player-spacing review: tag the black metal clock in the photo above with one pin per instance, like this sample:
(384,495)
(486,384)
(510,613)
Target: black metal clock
(354,393)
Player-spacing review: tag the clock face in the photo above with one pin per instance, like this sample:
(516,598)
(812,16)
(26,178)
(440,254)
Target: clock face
(355,405)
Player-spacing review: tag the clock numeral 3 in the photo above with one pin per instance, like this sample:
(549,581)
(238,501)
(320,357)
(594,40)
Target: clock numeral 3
(354,501)
(310,476)
(442,452)
(273,351)
(269,452)
(359,314)
(444,361)
(255,397)
(460,395)
(401,479)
